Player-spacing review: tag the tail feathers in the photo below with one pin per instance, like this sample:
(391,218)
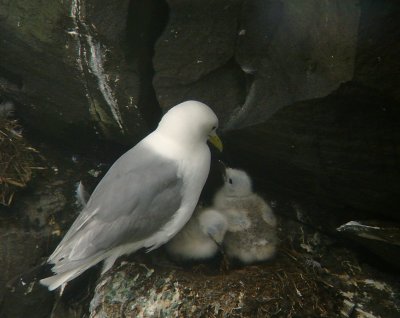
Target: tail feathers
(59,279)
(56,281)
(67,270)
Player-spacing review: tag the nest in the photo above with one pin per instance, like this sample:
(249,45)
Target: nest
(285,287)
(17,160)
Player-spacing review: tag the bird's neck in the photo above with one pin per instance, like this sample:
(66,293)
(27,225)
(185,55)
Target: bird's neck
(169,147)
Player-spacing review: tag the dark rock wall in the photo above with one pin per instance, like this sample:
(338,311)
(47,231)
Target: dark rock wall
(90,66)
(93,63)
(26,233)
(194,57)
(307,92)
(341,151)
(268,54)
(377,64)
(33,226)
(87,67)
(307,49)
(64,66)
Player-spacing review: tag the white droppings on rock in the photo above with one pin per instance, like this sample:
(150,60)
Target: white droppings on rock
(356,224)
(73,33)
(378,285)
(94,61)
(75,15)
(96,66)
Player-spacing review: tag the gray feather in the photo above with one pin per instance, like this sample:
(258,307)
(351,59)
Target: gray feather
(139,194)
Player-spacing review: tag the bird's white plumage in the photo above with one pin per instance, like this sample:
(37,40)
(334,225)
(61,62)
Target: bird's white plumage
(145,198)
(251,234)
(200,237)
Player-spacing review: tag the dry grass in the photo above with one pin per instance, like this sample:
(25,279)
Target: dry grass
(17,160)
(285,287)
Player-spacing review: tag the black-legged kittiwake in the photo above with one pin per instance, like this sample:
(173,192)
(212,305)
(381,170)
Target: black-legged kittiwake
(201,237)
(251,235)
(145,198)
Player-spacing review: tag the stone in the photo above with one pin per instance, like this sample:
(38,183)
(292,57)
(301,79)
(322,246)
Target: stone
(65,68)
(308,98)
(339,152)
(381,238)
(249,40)
(293,51)
(194,56)
(377,62)
(227,80)
(31,228)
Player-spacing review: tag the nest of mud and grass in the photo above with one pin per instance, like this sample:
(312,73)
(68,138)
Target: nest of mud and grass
(285,287)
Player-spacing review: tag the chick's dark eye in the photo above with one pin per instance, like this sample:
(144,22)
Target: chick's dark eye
(214,127)
(230,181)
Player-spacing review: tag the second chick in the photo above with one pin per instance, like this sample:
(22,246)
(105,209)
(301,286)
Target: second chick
(201,236)
(251,236)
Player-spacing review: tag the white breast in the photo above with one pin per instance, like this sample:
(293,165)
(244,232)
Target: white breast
(193,167)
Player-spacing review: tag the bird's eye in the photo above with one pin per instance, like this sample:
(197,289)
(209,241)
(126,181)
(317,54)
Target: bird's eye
(214,127)
(230,181)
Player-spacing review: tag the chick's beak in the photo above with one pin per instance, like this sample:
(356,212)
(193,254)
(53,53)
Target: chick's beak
(223,170)
(214,139)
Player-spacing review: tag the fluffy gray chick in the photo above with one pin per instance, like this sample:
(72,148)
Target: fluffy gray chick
(201,237)
(251,235)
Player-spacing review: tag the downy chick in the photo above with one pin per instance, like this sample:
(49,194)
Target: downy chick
(201,236)
(251,235)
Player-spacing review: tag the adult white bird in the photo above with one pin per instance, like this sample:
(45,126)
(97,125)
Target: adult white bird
(145,198)
(251,236)
(201,237)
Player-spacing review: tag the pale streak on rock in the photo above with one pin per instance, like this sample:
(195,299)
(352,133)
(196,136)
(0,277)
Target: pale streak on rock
(95,64)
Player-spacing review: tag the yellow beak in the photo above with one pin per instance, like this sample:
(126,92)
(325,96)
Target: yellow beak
(214,139)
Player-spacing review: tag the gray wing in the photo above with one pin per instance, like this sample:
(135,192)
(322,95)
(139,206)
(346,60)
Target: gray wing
(138,195)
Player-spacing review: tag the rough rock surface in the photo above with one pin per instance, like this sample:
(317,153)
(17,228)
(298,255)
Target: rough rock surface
(194,55)
(303,50)
(80,68)
(377,64)
(63,65)
(206,37)
(246,58)
(313,151)
(381,238)
(31,228)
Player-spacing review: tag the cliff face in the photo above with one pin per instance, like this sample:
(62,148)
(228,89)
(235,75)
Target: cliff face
(307,92)
(76,65)
(64,65)
(88,68)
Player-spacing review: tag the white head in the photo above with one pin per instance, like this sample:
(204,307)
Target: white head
(190,122)
(237,183)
